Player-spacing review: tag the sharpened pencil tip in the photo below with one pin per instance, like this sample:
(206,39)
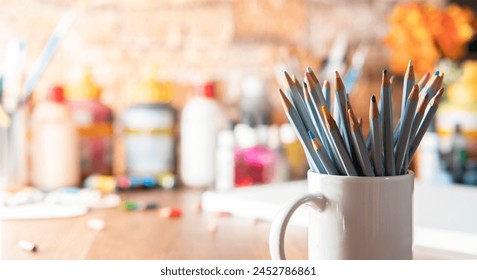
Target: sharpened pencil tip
(414,94)
(326,84)
(385,71)
(285,102)
(308,69)
(436,73)
(352,120)
(339,82)
(437,98)
(410,63)
(310,80)
(422,106)
(373,110)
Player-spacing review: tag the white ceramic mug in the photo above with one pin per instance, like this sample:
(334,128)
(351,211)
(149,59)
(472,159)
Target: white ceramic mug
(352,218)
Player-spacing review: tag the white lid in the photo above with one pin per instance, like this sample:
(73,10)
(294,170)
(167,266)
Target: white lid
(287,133)
(245,135)
(253,86)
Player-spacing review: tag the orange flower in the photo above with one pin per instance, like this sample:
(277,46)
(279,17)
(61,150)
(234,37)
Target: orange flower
(425,34)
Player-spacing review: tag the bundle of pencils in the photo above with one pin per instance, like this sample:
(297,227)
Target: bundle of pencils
(332,136)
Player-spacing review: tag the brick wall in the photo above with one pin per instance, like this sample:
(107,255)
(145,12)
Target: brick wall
(191,40)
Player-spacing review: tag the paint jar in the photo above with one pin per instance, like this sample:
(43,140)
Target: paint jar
(149,130)
(94,122)
(202,119)
(55,159)
(255,162)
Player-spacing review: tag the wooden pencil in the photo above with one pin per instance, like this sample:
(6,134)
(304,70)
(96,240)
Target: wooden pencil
(416,122)
(403,142)
(317,117)
(325,159)
(298,85)
(423,81)
(431,111)
(327,94)
(431,86)
(387,125)
(300,106)
(300,130)
(315,89)
(338,144)
(326,140)
(359,146)
(376,142)
(408,85)
(342,100)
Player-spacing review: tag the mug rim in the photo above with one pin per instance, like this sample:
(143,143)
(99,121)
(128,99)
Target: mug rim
(310,173)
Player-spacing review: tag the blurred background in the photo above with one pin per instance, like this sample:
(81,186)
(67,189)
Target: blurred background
(112,95)
(116,51)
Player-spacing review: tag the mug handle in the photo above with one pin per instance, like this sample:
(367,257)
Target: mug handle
(280,223)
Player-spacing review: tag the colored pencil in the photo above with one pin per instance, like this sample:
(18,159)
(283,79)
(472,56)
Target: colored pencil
(338,144)
(327,163)
(423,81)
(387,124)
(296,122)
(299,104)
(403,142)
(342,100)
(376,142)
(431,111)
(416,122)
(317,117)
(327,93)
(360,147)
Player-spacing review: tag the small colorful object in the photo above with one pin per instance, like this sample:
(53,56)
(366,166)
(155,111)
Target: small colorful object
(170,212)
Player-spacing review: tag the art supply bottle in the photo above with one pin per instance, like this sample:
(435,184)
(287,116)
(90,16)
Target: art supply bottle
(255,101)
(55,158)
(458,156)
(293,150)
(282,168)
(150,130)
(94,122)
(202,119)
(254,160)
(225,175)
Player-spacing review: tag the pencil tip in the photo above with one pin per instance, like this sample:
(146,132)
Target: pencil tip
(437,98)
(436,73)
(352,120)
(308,69)
(422,106)
(373,99)
(410,63)
(385,71)
(414,94)
(337,75)
(326,84)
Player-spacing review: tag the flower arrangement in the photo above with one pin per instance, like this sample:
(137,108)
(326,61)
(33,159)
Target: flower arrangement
(427,34)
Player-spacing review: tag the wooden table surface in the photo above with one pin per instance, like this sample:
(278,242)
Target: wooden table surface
(145,235)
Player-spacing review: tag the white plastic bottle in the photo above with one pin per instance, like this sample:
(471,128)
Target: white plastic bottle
(225,160)
(201,120)
(55,160)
